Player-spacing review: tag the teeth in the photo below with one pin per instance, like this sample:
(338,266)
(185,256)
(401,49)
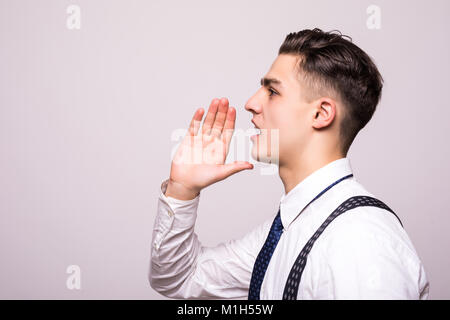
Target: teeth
(254,131)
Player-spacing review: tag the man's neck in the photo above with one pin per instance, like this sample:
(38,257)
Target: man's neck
(295,172)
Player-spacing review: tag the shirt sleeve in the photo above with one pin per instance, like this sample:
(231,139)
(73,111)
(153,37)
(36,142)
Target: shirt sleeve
(181,267)
(369,262)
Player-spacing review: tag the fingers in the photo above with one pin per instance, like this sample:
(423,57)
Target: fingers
(210,116)
(229,125)
(219,121)
(195,122)
(218,118)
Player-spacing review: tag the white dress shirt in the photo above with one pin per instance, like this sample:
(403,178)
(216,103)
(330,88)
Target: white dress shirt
(363,254)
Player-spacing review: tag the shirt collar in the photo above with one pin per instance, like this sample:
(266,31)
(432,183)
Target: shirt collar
(293,203)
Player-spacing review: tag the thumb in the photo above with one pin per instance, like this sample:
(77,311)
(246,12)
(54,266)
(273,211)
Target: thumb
(234,167)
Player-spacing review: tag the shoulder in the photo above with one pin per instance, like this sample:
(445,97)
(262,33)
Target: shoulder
(368,227)
(366,250)
(370,224)
(366,232)
(370,237)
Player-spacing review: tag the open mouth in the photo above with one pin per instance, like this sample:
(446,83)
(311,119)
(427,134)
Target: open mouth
(256,130)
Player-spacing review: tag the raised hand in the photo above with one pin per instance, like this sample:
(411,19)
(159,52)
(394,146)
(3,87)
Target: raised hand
(200,158)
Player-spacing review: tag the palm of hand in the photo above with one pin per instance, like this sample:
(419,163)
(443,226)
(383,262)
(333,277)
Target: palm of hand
(200,158)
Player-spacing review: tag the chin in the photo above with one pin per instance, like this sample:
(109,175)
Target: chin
(266,147)
(262,155)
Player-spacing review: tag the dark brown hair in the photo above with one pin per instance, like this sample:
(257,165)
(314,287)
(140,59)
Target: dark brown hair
(331,64)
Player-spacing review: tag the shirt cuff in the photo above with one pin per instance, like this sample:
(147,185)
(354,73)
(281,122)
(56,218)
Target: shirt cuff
(174,203)
(174,215)
(180,213)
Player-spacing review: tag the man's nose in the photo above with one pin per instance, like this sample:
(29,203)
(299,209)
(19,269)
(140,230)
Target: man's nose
(254,104)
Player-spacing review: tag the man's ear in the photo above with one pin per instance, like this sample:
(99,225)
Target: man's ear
(324,112)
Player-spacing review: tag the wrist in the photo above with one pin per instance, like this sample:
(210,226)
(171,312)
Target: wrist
(179,191)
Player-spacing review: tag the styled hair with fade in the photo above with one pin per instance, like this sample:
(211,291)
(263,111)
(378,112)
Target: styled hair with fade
(331,64)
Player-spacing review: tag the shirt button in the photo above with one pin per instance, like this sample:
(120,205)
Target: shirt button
(170,213)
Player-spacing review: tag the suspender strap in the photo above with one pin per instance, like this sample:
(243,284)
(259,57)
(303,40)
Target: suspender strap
(293,281)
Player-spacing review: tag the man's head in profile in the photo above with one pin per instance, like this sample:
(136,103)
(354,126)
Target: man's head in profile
(319,92)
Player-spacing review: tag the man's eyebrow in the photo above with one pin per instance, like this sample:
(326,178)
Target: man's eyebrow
(265,82)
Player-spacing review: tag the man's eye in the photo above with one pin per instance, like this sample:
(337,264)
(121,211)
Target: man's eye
(272,92)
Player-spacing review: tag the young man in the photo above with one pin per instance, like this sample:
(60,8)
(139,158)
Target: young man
(319,92)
